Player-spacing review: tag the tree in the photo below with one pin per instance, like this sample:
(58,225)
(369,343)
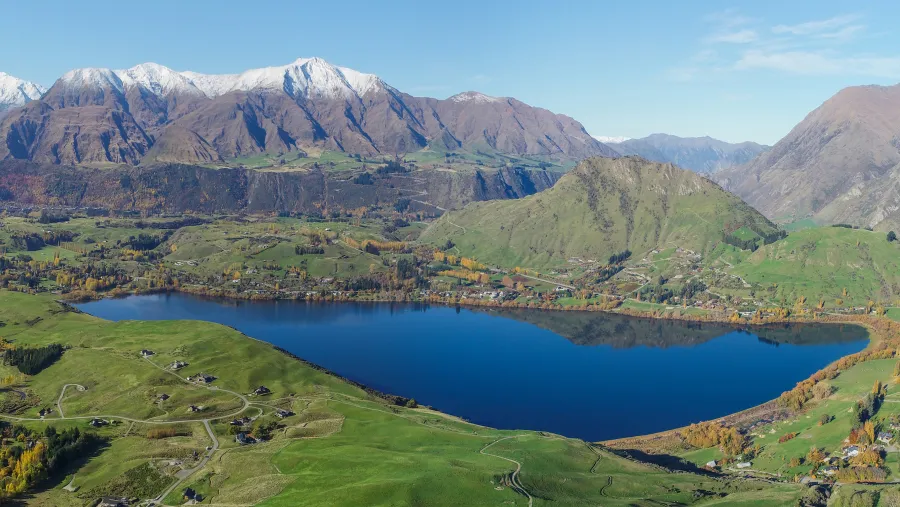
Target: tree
(891,236)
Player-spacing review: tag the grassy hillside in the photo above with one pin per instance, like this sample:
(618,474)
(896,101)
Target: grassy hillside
(820,263)
(343,447)
(602,207)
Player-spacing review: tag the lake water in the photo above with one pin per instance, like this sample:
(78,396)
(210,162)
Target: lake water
(587,375)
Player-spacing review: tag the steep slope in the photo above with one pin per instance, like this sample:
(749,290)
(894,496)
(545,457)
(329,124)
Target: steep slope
(832,165)
(93,116)
(819,263)
(168,187)
(701,154)
(602,207)
(15,92)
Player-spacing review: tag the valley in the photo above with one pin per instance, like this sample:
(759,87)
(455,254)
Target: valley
(300,285)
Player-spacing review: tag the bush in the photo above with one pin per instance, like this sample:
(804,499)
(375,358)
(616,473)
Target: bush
(892,236)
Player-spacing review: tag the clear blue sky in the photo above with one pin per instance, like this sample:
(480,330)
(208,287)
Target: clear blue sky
(741,71)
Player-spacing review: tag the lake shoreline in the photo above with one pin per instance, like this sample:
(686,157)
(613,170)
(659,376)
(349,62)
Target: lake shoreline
(554,316)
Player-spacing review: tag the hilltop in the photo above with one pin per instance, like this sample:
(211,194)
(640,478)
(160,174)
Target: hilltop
(602,207)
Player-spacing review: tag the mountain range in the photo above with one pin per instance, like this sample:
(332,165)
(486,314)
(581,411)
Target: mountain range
(700,154)
(841,164)
(152,114)
(602,207)
(15,92)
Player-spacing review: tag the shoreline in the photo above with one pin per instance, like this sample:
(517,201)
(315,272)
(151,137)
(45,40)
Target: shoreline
(744,417)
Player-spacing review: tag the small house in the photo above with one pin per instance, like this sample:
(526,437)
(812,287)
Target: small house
(830,470)
(745,464)
(177,365)
(195,408)
(244,439)
(236,422)
(113,501)
(283,413)
(885,437)
(189,494)
(146,353)
(163,397)
(261,391)
(851,451)
(98,422)
(711,464)
(44,412)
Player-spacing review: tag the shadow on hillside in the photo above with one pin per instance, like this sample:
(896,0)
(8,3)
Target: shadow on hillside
(667,461)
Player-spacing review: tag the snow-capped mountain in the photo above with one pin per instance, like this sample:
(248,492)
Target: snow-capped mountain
(15,92)
(306,77)
(153,114)
(611,139)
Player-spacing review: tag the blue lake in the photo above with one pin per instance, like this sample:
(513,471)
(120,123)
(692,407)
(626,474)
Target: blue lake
(587,375)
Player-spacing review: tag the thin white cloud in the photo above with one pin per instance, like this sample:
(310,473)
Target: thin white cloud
(821,63)
(814,27)
(744,36)
(844,34)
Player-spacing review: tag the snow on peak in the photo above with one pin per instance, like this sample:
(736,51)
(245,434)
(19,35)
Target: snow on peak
(611,139)
(15,92)
(92,78)
(305,77)
(157,79)
(476,97)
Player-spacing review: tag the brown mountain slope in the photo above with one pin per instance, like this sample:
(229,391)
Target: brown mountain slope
(831,165)
(96,116)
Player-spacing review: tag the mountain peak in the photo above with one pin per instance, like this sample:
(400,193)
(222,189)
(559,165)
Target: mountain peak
(15,92)
(304,77)
(611,139)
(476,97)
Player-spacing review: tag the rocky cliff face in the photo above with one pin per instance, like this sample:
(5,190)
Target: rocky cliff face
(182,188)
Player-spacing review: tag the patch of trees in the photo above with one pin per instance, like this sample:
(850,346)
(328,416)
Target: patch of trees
(768,238)
(309,250)
(891,236)
(176,223)
(402,205)
(619,257)
(32,457)
(364,179)
(709,434)
(659,294)
(406,268)
(607,272)
(391,167)
(362,283)
(48,217)
(34,241)
(145,242)
(743,244)
(32,361)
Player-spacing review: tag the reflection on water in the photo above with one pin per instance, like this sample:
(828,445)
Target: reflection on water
(589,375)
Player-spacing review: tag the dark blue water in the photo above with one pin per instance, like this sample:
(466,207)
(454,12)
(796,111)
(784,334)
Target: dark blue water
(579,374)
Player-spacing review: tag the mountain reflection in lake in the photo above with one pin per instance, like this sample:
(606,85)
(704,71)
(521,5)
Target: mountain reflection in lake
(588,375)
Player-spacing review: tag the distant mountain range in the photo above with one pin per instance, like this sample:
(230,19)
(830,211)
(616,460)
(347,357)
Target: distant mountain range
(602,207)
(700,154)
(841,164)
(153,114)
(16,92)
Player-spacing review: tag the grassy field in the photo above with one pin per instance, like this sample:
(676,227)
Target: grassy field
(820,263)
(343,447)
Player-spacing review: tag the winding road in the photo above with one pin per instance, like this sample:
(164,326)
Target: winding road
(514,477)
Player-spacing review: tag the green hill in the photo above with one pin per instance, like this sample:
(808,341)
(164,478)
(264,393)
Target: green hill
(600,208)
(820,263)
